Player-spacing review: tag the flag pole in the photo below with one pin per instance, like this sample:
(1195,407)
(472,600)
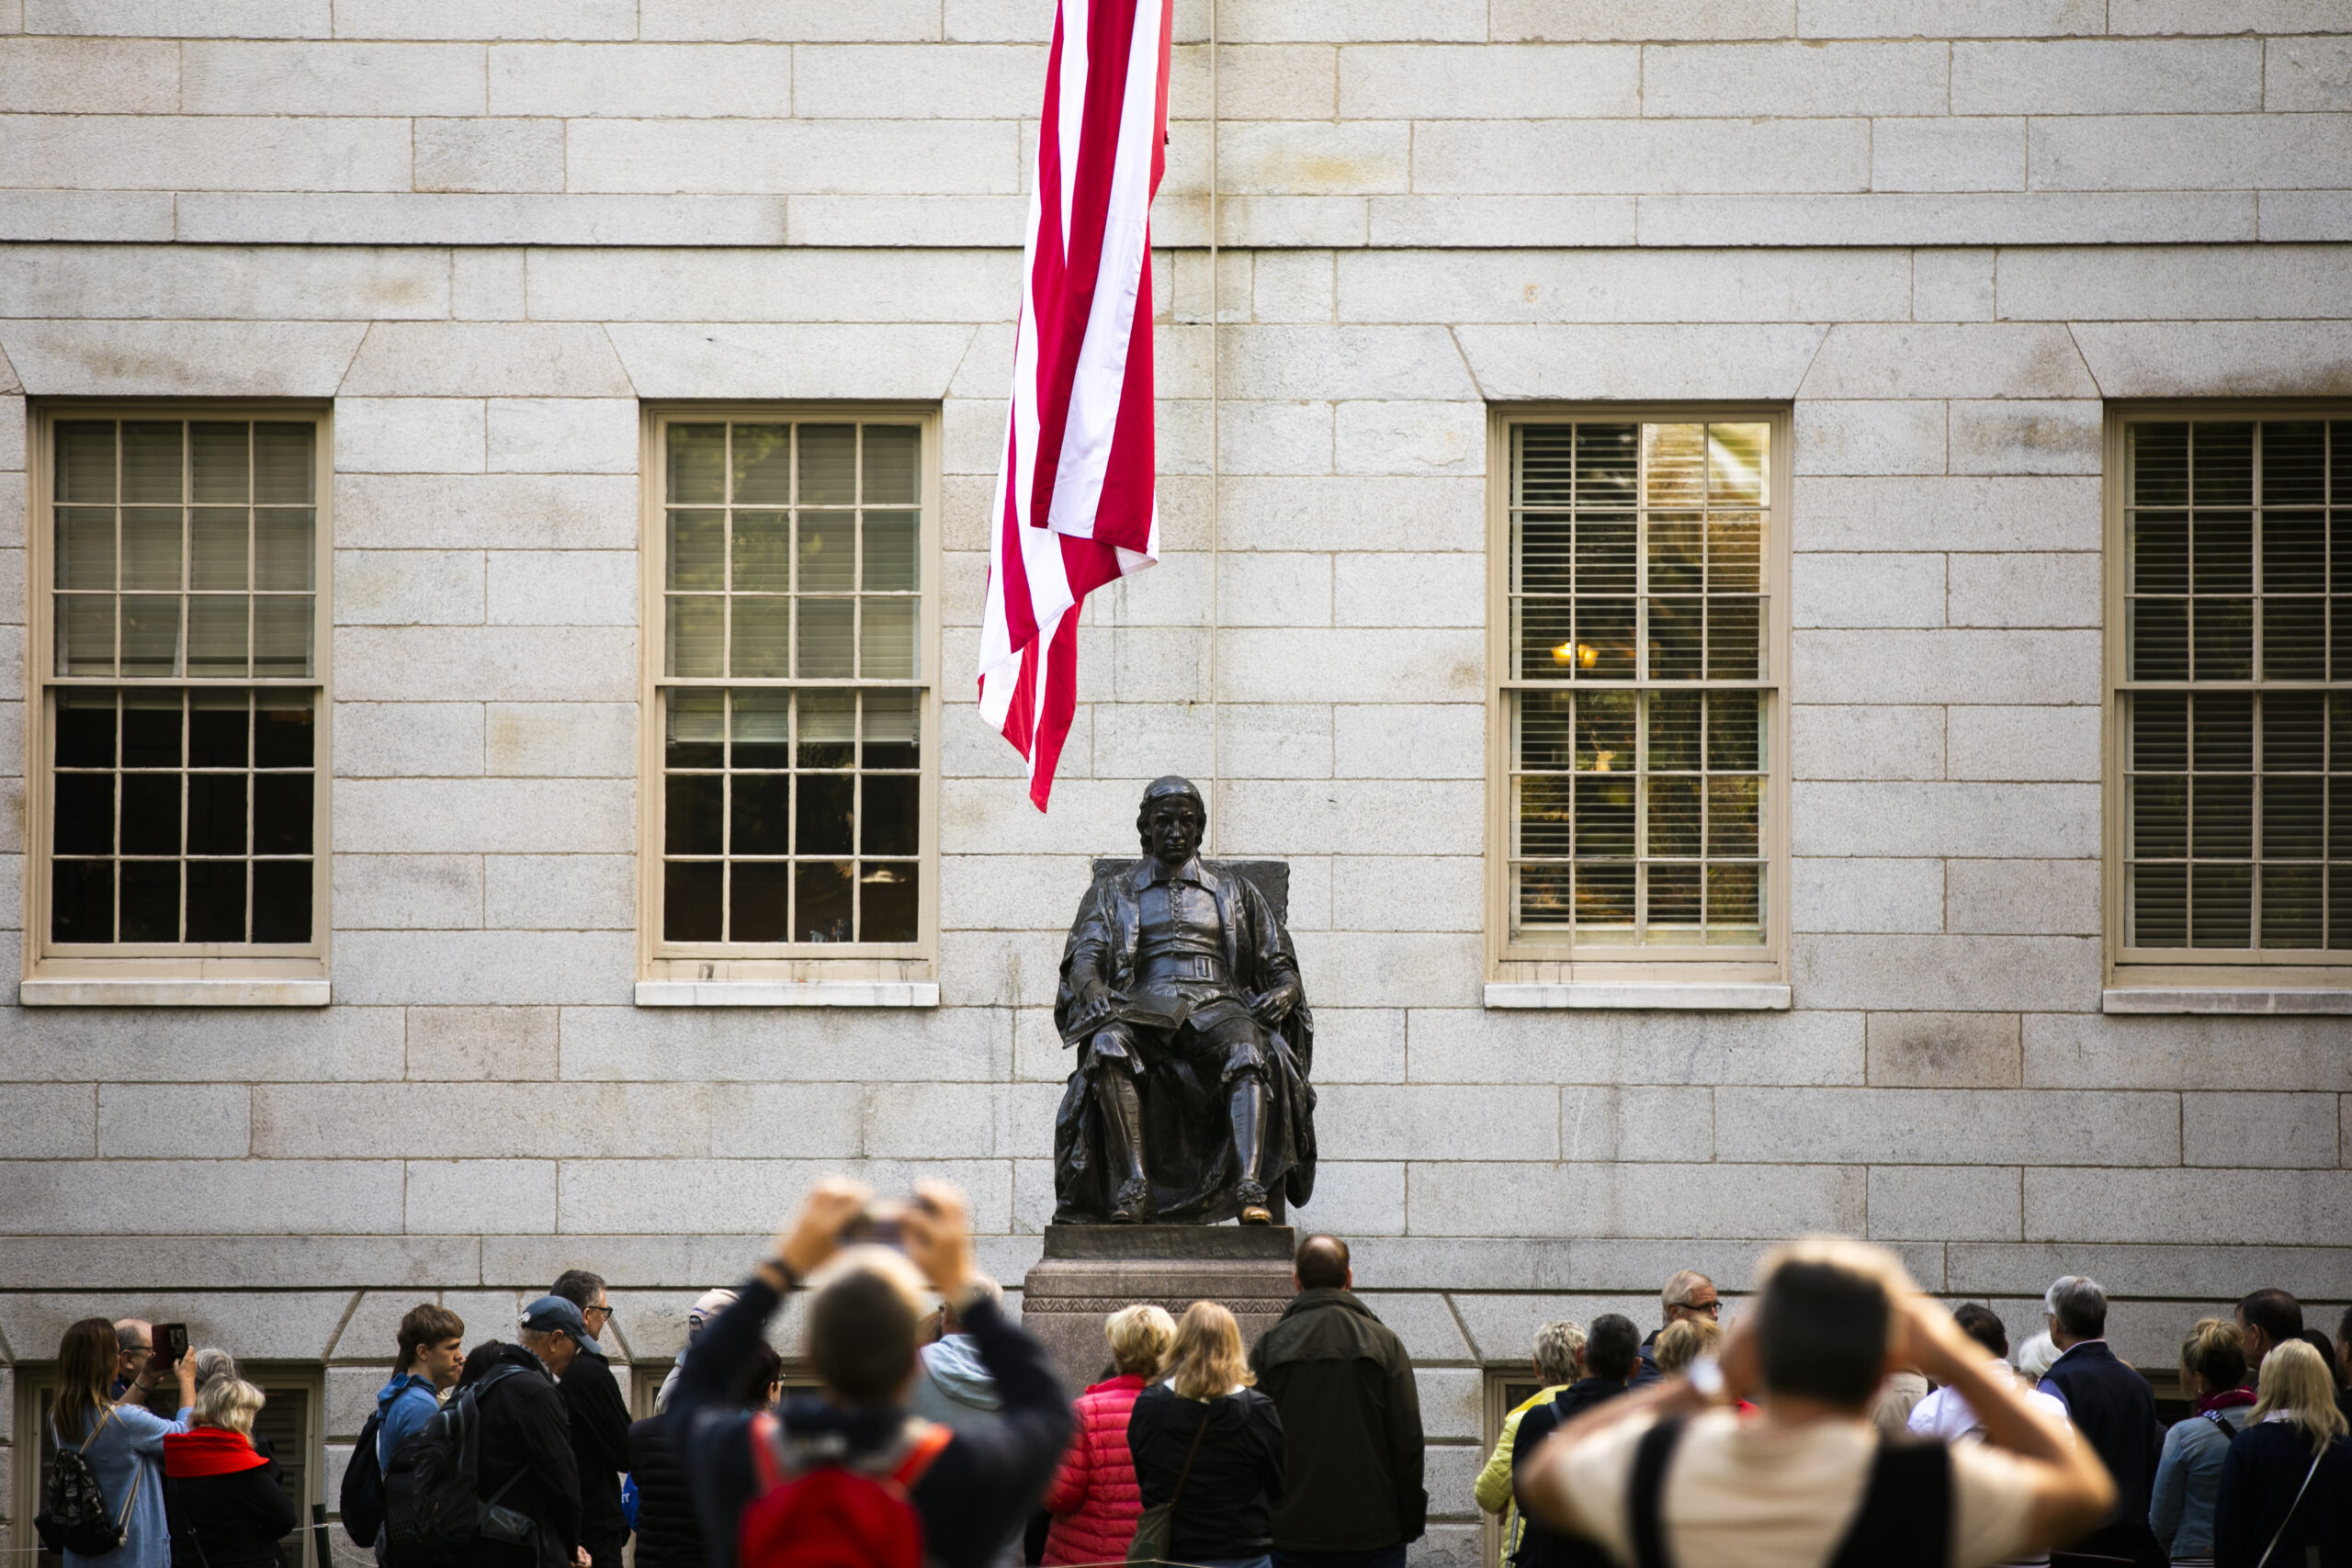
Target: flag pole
(1216,470)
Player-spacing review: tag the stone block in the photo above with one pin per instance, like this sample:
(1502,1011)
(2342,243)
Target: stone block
(54,75)
(2187,1054)
(2025,590)
(324,1045)
(1927,1126)
(1502,1328)
(141,18)
(1947,514)
(2288,1132)
(1942,1050)
(1352,21)
(1418,893)
(1279,362)
(2055,821)
(534,663)
(1408,740)
(1386,969)
(1733,361)
(1795,80)
(1637,157)
(407,892)
(1293,287)
(277,1325)
(931,81)
(1350,665)
(1287,817)
(408,588)
(1359,1044)
(204,151)
(1274,740)
(179,1121)
(508,968)
(569,892)
(2163,152)
(87,215)
(2035,743)
(728,21)
(2307,74)
(1311,158)
(1869,437)
(1473,1045)
(2217,1272)
(1403,437)
(83,358)
(1265,588)
(2009,217)
(1866,742)
(1388,1122)
(565,588)
(1700,1201)
(486,18)
(1952,285)
(739,1196)
(1482,221)
(2283,359)
(938,1120)
(1635,1124)
(388,739)
(496,1043)
(1867,591)
(419,217)
(1956,666)
(1469,82)
(1929,18)
(245,78)
(2184,1206)
(348,1197)
(1354,513)
(2058,897)
(562,435)
(48,1121)
(1145,740)
(1865,895)
(639,80)
(1945,1203)
(622,1043)
(481,1195)
(486,284)
(562,740)
(1987,360)
(484,815)
(409,435)
(1404,589)
(1948,972)
(1355,1198)
(1276,437)
(484,1121)
(882,157)
(1258,81)
(1640,20)
(2223,284)
(2027,437)
(496,512)
(2091,77)
(475,359)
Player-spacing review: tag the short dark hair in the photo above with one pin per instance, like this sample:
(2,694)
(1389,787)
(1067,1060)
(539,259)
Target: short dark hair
(1611,1346)
(2078,1304)
(126,1337)
(577,1286)
(767,1368)
(2277,1314)
(862,1337)
(1321,1263)
(1983,1325)
(426,1323)
(1822,1330)
(2320,1342)
(479,1360)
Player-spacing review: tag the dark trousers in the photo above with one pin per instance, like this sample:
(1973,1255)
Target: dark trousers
(1378,1557)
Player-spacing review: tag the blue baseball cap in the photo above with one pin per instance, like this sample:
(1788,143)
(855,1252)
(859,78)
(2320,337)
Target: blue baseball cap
(553,1315)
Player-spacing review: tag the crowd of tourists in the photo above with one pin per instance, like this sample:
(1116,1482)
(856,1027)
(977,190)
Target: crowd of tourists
(1844,1419)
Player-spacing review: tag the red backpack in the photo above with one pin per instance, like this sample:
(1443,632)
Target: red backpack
(820,1508)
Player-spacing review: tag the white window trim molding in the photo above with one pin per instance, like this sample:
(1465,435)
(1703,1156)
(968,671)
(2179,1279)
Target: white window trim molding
(127,993)
(787,993)
(1664,996)
(2229,1000)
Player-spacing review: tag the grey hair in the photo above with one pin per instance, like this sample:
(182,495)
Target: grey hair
(2078,1304)
(212,1363)
(1558,1346)
(1677,1289)
(977,1286)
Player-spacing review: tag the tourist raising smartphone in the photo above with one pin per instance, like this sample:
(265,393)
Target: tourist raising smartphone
(121,1446)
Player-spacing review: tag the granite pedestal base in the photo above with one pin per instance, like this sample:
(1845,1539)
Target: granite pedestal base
(1091,1271)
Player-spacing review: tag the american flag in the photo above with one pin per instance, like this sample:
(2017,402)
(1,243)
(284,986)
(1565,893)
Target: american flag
(1074,499)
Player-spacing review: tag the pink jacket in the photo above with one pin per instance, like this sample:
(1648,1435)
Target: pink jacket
(1094,1500)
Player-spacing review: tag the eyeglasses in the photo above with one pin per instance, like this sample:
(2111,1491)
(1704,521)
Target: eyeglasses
(1713,1309)
(603,1312)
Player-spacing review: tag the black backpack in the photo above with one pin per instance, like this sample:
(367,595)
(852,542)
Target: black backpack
(74,1514)
(433,1503)
(362,1499)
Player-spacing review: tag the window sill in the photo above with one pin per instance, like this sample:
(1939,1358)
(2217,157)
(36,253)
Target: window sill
(95,993)
(787,993)
(1661,996)
(2234,1001)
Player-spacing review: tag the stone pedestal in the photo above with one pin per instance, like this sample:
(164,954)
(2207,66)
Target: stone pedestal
(1091,1271)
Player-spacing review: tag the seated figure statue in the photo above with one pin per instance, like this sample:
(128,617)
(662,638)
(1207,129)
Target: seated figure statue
(1179,990)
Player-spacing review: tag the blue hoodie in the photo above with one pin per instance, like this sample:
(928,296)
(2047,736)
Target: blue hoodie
(404,1404)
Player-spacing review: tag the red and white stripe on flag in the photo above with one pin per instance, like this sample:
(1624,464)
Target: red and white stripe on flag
(1074,495)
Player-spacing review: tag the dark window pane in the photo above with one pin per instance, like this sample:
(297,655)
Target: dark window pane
(1546,638)
(761,810)
(2293,826)
(690,909)
(1544,562)
(1546,730)
(887,899)
(1605,554)
(219,454)
(1545,898)
(2340,526)
(2225,639)
(756,902)
(216,817)
(1604,898)
(2159,817)
(2220,817)
(1734,731)
(2294,552)
(2294,640)
(1735,640)
(1674,823)
(2294,732)
(1735,809)
(828,729)
(216,901)
(150,730)
(697,549)
(1607,459)
(762,552)
(887,824)
(893,730)
(1543,816)
(762,465)
(282,730)
(281,900)
(824,818)
(1674,910)
(2159,900)
(697,734)
(1734,903)
(1676,545)
(2339,818)
(827,465)
(86,460)
(216,723)
(2159,637)
(1674,732)
(2339,904)
(763,730)
(2160,465)
(151,900)
(81,900)
(281,813)
(151,814)
(1604,817)
(2159,553)
(1605,639)
(691,820)
(85,812)
(822,896)
(1678,639)
(284,473)
(893,475)
(1546,463)
(698,465)
(2292,906)
(2222,465)
(2220,906)
(2160,732)
(1606,725)
(151,461)
(2222,552)
(2224,732)
(2294,462)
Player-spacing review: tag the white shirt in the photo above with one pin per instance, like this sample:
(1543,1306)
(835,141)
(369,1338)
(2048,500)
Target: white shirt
(1945,1415)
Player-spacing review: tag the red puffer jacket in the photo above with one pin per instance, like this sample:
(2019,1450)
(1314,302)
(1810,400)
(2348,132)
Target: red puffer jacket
(1094,1500)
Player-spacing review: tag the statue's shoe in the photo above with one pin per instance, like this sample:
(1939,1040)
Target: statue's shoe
(1133,1204)
(1252,1198)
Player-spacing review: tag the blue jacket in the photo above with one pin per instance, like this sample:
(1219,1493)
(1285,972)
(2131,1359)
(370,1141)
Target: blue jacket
(403,1405)
(2188,1477)
(126,1454)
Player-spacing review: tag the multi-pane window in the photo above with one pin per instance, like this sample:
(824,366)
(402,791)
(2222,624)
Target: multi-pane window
(182,682)
(2236,710)
(792,682)
(1638,692)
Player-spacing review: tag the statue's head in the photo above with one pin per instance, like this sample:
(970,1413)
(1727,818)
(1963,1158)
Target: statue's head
(1171,819)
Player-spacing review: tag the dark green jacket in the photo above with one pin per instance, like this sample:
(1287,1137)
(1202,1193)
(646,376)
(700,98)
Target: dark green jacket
(1351,1425)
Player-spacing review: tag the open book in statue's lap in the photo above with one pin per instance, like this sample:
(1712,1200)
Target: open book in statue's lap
(1179,990)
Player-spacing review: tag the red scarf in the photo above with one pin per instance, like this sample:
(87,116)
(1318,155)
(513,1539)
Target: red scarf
(209,1450)
(2228,1399)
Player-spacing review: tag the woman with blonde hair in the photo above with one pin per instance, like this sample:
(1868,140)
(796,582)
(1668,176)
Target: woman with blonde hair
(1686,1341)
(2189,1475)
(227,1504)
(121,1443)
(1094,1500)
(2286,1494)
(1211,1444)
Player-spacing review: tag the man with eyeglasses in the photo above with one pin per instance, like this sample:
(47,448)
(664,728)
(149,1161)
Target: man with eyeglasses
(599,1422)
(1688,1294)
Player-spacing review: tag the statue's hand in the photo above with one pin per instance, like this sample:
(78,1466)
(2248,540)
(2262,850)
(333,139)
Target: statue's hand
(1094,1004)
(1270,1005)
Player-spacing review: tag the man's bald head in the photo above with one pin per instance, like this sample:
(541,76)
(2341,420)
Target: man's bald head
(1321,1264)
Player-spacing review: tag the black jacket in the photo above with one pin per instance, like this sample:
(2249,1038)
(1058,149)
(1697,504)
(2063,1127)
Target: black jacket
(978,1491)
(526,1449)
(668,1534)
(1541,1546)
(1226,1509)
(229,1521)
(1351,1425)
(2262,1471)
(599,1446)
(2112,1407)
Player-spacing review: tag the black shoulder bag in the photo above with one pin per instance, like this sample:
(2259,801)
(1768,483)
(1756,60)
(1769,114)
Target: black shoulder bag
(1156,1531)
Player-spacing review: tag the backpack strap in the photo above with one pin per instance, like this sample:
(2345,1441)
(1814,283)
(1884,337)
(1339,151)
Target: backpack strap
(924,1447)
(2222,1421)
(1905,1514)
(1647,1487)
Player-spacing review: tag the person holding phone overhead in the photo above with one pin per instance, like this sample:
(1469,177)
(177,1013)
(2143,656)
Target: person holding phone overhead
(123,1444)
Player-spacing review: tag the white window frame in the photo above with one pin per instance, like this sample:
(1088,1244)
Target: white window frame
(760,975)
(180,973)
(1525,974)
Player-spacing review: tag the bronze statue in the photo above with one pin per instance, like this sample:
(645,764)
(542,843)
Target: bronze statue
(1179,989)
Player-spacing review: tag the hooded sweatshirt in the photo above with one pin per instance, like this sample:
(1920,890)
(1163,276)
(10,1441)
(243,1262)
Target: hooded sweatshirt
(402,1407)
(956,1392)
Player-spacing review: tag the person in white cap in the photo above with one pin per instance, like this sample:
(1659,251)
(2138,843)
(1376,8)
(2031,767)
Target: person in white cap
(707,1305)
